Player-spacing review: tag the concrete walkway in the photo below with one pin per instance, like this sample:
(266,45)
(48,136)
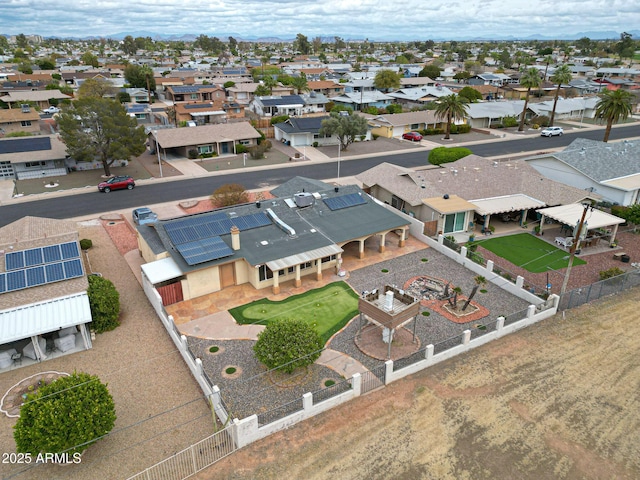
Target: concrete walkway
(188,168)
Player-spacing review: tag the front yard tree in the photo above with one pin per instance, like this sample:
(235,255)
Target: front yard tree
(346,127)
(451,107)
(613,106)
(430,71)
(96,88)
(100,129)
(387,79)
(560,76)
(529,79)
(140,76)
(65,416)
(288,344)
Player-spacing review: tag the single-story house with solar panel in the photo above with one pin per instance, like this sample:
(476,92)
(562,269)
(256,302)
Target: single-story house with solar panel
(455,197)
(44,306)
(300,233)
(194,93)
(32,157)
(219,139)
(275,105)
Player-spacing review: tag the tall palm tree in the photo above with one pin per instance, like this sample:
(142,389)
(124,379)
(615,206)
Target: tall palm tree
(300,83)
(560,76)
(614,105)
(452,107)
(530,79)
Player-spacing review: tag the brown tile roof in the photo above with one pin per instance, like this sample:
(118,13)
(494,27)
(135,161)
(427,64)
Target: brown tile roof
(8,115)
(206,134)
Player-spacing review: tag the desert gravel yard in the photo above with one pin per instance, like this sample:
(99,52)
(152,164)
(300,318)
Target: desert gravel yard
(556,401)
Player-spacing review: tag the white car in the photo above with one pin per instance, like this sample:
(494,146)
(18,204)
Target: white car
(51,110)
(552,132)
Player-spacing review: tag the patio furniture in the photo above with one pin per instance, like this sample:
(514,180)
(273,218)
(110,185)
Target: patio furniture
(564,241)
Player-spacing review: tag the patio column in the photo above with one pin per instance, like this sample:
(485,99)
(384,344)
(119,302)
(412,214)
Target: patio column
(403,237)
(360,249)
(297,282)
(613,233)
(36,348)
(319,269)
(487,217)
(382,239)
(276,283)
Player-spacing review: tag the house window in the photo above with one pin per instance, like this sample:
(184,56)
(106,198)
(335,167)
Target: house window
(328,259)
(245,142)
(264,273)
(454,222)
(25,123)
(141,116)
(205,149)
(291,269)
(34,164)
(414,126)
(397,203)
(194,96)
(305,265)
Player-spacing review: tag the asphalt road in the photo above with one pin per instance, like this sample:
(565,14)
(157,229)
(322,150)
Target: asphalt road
(93,203)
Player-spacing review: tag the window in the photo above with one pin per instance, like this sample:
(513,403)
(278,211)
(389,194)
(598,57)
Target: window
(414,126)
(305,265)
(264,273)
(205,149)
(291,269)
(141,116)
(328,259)
(25,123)
(34,164)
(397,203)
(454,222)
(194,96)
(245,142)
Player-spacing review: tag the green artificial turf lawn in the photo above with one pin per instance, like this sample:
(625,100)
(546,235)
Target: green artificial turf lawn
(529,252)
(327,309)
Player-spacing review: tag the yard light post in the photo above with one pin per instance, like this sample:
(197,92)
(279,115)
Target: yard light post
(572,250)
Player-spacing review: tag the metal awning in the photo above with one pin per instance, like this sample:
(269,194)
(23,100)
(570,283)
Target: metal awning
(39,318)
(572,213)
(161,270)
(304,257)
(506,203)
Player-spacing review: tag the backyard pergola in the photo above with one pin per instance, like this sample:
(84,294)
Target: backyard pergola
(571,214)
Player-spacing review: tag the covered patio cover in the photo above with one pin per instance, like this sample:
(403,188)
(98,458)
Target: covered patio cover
(572,213)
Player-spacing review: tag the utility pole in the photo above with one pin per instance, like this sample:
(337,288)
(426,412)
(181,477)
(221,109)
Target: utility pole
(574,246)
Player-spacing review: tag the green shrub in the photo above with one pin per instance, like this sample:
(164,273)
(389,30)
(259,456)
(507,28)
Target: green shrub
(241,148)
(104,301)
(441,155)
(612,272)
(315,144)
(510,121)
(288,344)
(192,154)
(464,128)
(86,244)
(67,415)
(279,119)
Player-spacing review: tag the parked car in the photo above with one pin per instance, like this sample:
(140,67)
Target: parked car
(144,216)
(117,183)
(552,132)
(51,110)
(413,136)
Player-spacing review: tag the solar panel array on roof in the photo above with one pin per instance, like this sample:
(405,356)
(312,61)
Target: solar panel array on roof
(200,227)
(204,250)
(41,255)
(40,275)
(185,89)
(344,201)
(41,265)
(27,144)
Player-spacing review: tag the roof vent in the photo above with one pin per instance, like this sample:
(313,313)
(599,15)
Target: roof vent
(446,196)
(281,225)
(258,204)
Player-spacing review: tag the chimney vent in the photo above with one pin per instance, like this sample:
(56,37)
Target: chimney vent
(235,238)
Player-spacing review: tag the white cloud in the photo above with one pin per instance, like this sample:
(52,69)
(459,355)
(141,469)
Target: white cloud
(373,19)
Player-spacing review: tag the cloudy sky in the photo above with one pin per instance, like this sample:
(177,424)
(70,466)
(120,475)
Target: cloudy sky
(373,19)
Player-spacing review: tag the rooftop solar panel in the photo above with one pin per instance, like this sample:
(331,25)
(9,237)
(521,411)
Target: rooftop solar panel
(344,201)
(35,276)
(16,280)
(54,272)
(14,260)
(27,144)
(205,250)
(52,254)
(73,268)
(69,250)
(33,257)
(3,282)
(191,229)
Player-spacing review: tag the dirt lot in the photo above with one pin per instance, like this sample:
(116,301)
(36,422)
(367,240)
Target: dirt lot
(558,400)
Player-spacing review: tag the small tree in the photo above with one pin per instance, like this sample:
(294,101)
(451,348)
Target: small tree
(346,127)
(387,79)
(471,94)
(229,194)
(65,416)
(441,155)
(104,301)
(288,344)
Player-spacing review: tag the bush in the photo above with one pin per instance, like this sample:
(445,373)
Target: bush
(288,344)
(104,301)
(612,272)
(86,244)
(279,119)
(315,144)
(441,155)
(67,415)
(241,148)
(541,120)
(510,121)
(464,128)
(229,194)
(192,154)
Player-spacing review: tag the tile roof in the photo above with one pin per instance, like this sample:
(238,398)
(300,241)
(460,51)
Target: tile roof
(205,134)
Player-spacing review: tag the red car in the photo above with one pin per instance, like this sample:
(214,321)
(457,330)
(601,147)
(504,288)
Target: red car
(117,183)
(413,136)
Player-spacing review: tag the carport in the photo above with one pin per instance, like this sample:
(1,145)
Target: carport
(571,214)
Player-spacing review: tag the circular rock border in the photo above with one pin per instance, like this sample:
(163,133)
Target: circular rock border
(235,374)
(13,400)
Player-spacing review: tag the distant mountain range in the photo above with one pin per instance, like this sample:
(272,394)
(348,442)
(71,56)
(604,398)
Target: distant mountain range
(600,35)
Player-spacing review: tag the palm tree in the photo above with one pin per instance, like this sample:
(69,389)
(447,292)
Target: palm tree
(530,79)
(452,107)
(560,76)
(614,105)
(300,83)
